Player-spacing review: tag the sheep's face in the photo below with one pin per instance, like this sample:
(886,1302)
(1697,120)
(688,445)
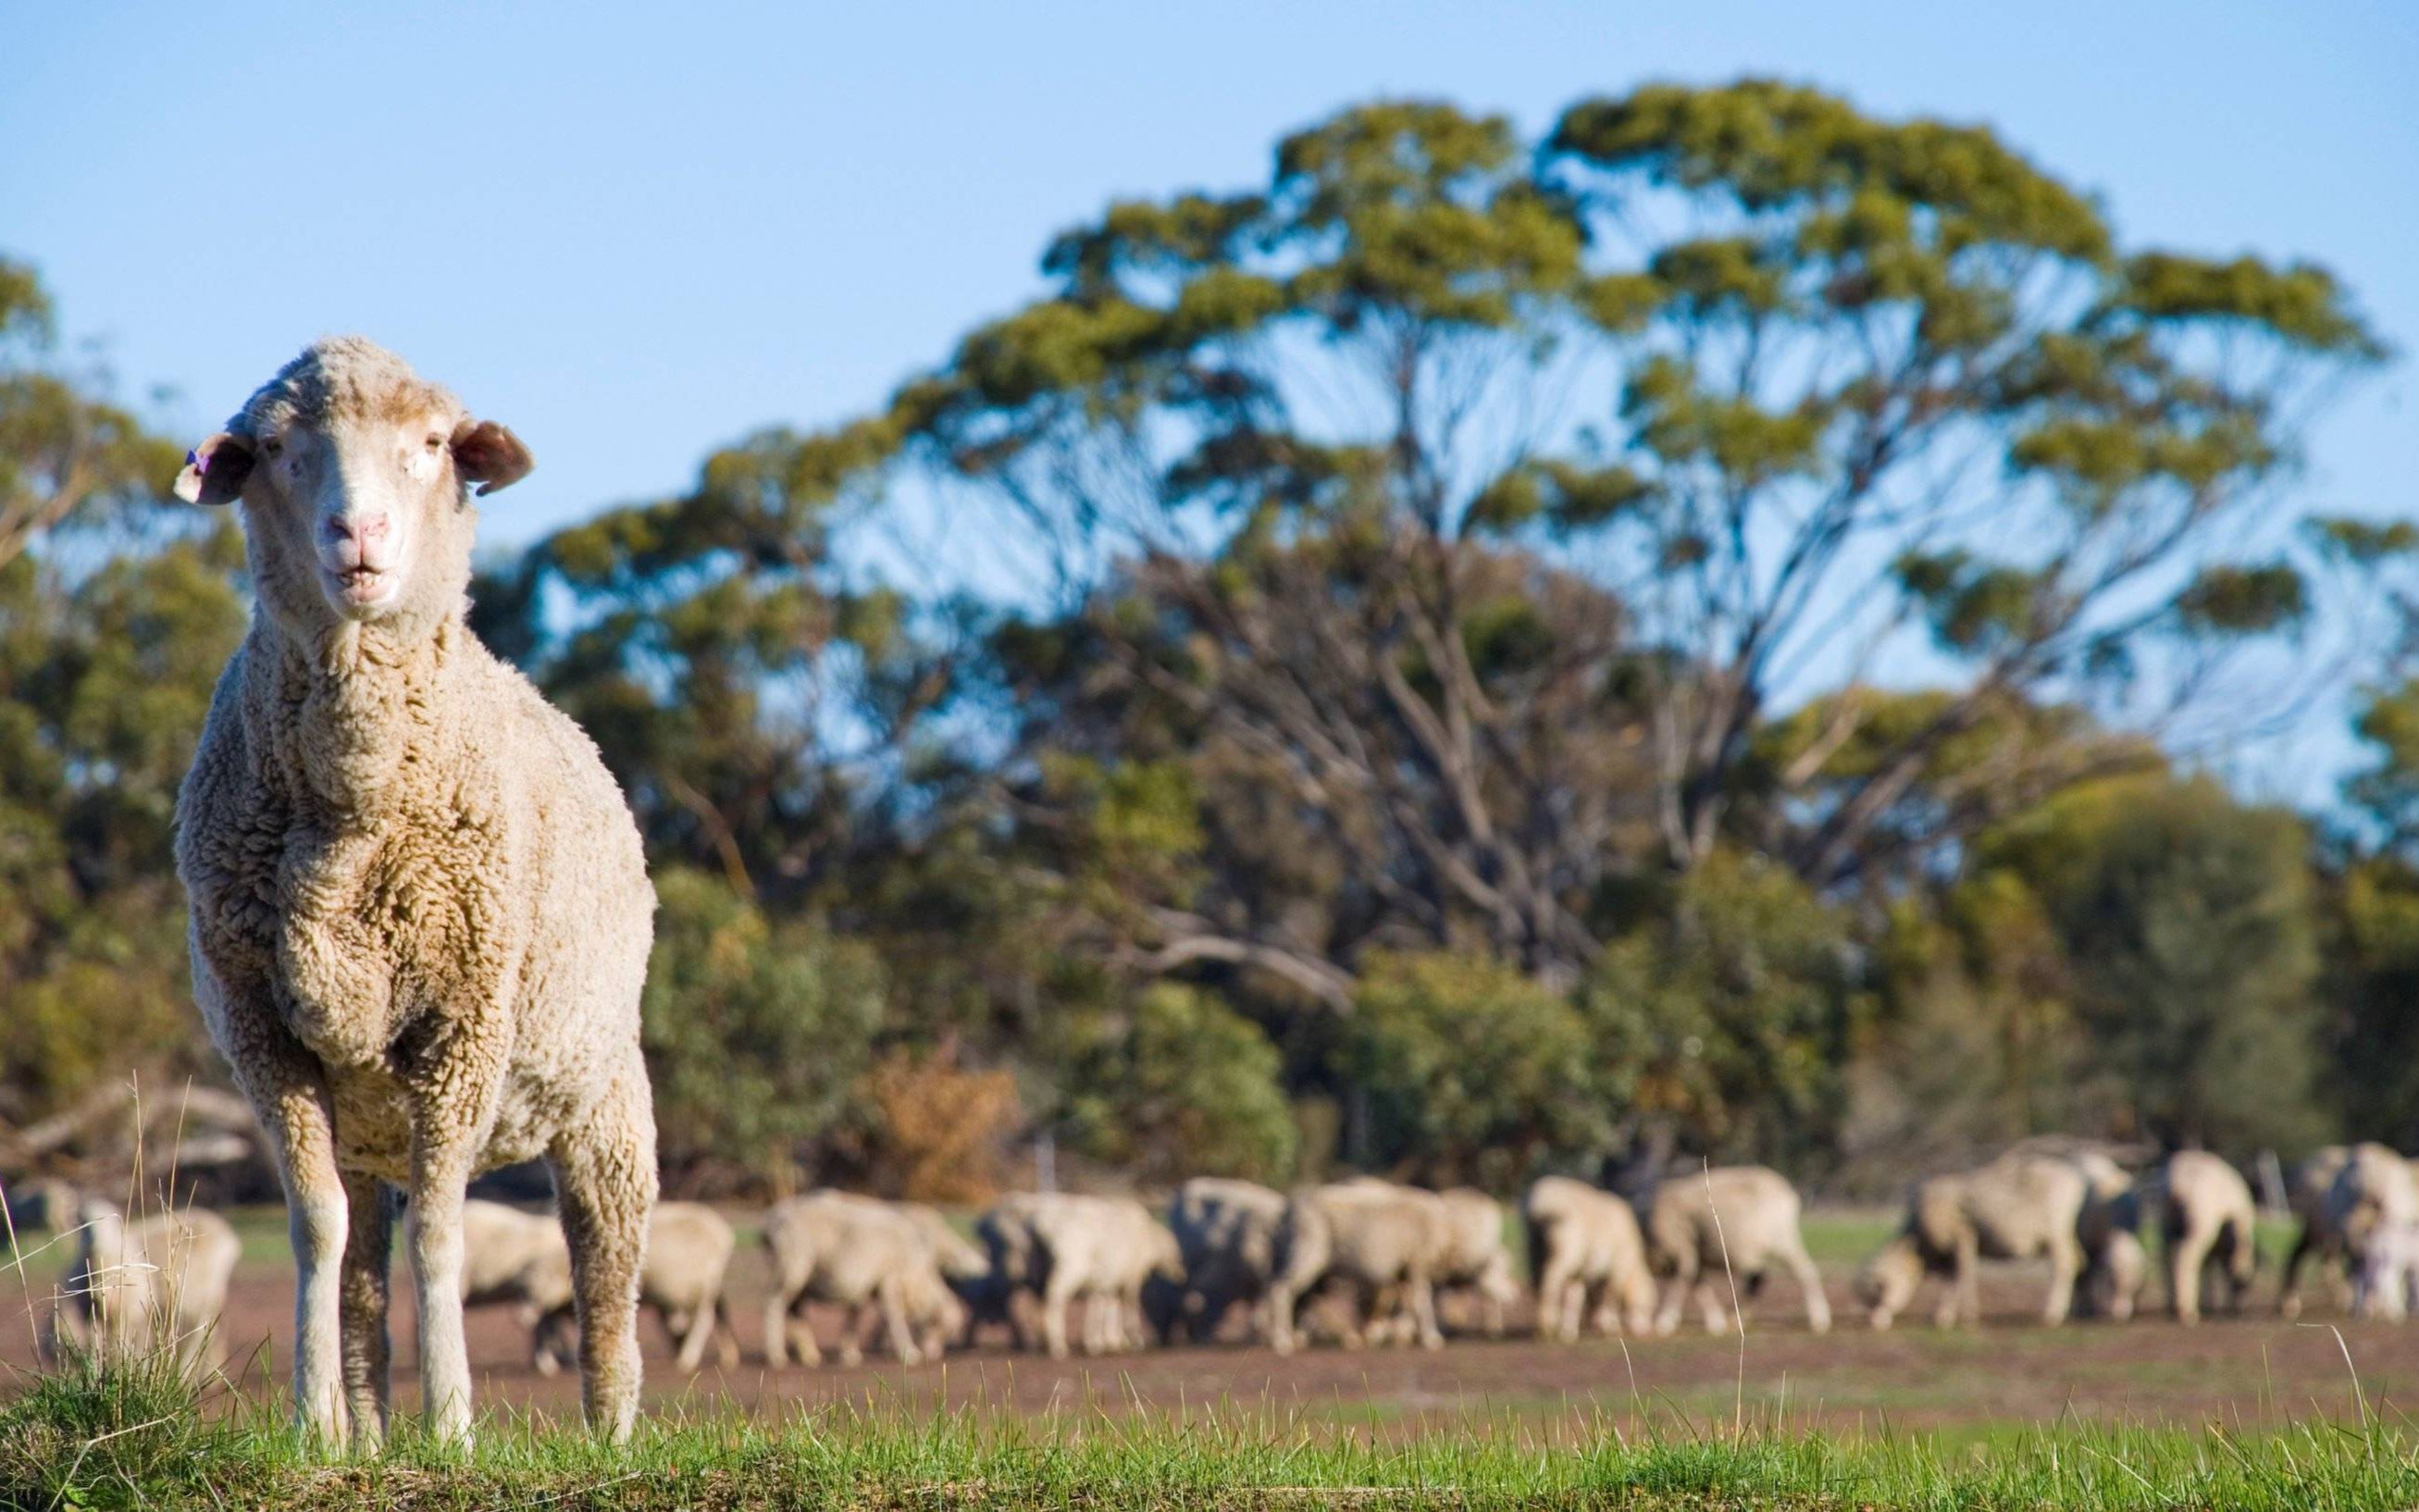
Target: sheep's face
(355,481)
(1886,1282)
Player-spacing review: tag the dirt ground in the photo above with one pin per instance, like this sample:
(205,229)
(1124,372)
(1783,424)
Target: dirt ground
(2250,1371)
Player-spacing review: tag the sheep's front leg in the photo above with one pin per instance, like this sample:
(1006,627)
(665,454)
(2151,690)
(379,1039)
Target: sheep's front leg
(364,1295)
(605,1173)
(441,1169)
(301,1127)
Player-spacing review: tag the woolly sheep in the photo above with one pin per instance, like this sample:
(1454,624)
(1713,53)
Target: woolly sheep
(2109,1228)
(2374,1193)
(1379,1240)
(2205,1212)
(135,1284)
(1474,1256)
(1225,1233)
(859,1253)
(1735,1222)
(2017,1206)
(420,912)
(2320,1242)
(1102,1251)
(1590,1259)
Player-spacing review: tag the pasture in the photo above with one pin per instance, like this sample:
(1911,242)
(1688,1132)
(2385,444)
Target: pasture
(2247,1411)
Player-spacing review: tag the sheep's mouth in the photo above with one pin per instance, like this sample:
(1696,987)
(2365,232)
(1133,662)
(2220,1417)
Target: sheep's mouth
(361,587)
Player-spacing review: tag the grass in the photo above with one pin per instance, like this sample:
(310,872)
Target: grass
(135,1436)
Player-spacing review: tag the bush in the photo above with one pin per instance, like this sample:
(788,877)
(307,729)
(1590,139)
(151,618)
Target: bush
(756,1033)
(1470,1071)
(1187,1087)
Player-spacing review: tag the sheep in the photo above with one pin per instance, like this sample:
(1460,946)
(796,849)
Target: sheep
(1735,1221)
(1375,1237)
(130,1286)
(688,1259)
(2116,1267)
(420,913)
(862,1253)
(1103,1251)
(2374,1192)
(2388,1268)
(2017,1206)
(963,1268)
(511,1258)
(1226,1234)
(2207,1214)
(1590,1259)
(2320,1242)
(1475,1256)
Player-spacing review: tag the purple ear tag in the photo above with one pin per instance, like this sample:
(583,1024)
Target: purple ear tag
(199,463)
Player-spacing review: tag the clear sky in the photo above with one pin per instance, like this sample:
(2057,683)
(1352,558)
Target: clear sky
(635,233)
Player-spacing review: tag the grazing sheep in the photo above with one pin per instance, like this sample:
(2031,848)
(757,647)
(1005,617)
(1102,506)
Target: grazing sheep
(2320,1242)
(1376,1239)
(420,910)
(1226,1235)
(1103,1251)
(516,1259)
(133,1286)
(863,1254)
(1590,1259)
(2205,1212)
(1735,1222)
(2108,1226)
(1475,1256)
(2019,1206)
(963,1268)
(2388,1268)
(688,1260)
(2374,1193)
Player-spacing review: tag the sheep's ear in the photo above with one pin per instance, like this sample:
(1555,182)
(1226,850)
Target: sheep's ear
(490,456)
(215,471)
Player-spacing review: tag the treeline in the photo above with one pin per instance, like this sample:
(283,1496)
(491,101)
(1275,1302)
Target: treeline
(1694,636)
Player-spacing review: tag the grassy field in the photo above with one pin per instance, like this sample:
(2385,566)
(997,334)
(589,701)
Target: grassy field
(86,1439)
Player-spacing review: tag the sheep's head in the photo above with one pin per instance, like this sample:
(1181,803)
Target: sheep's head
(1886,1282)
(355,476)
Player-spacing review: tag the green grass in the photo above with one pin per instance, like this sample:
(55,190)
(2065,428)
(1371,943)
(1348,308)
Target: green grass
(138,1437)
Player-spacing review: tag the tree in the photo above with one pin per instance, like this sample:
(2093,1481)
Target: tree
(1741,387)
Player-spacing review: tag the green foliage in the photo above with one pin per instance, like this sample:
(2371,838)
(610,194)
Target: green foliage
(2190,924)
(1471,1069)
(1180,1086)
(755,1031)
(1725,1018)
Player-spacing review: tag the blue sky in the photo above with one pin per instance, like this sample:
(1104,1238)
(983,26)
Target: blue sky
(634,233)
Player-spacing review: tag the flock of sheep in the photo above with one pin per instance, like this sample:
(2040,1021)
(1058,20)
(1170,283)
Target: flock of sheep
(1377,1254)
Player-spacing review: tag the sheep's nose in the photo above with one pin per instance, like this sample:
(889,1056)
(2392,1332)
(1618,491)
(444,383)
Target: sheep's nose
(356,536)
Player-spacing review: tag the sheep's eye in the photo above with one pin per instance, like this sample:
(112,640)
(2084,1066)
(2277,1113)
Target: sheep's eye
(274,446)
(435,443)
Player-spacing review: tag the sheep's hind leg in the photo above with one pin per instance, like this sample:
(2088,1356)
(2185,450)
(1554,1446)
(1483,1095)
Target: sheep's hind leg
(364,1293)
(605,1172)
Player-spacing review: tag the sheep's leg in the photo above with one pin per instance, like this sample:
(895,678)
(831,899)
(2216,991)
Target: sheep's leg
(1056,1295)
(364,1293)
(1421,1294)
(440,1172)
(726,1334)
(777,1323)
(1968,1267)
(699,1333)
(1557,1310)
(2065,1264)
(301,1127)
(605,1172)
(1281,1301)
(2186,1251)
(1809,1282)
(1675,1293)
(894,1323)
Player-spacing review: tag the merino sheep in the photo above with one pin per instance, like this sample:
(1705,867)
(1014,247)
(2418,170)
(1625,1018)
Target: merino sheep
(1475,1256)
(134,1286)
(963,1268)
(1588,1257)
(2373,1195)
(1379,1240)
(862,1253)
(419,909)
(1103,1251)
(688,1259)
(1226,1234)
(2207,1214)
(2017,1206)
(2320,1242)
(2108,1226)
(1732,1221)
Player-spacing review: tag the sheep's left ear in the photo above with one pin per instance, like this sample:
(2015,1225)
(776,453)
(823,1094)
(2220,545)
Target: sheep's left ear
(490,456)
